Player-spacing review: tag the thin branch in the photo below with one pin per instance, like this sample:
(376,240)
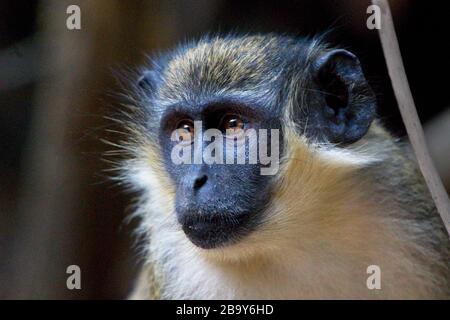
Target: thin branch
(409,113)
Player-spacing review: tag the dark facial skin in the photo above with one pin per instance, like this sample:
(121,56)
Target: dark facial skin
(217,204)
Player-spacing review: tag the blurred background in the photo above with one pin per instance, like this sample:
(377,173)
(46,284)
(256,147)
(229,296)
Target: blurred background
(57,206)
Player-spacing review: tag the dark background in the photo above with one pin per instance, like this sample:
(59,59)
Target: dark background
(57,206)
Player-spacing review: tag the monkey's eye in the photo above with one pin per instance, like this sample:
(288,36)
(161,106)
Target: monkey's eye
(185,131)
(232,122)
(233,126)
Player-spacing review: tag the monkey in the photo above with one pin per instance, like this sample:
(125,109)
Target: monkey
(347,194)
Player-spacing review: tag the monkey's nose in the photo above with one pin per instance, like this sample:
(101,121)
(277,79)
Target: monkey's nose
(200,181)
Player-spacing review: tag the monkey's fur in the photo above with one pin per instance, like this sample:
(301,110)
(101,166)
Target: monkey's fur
(334,210)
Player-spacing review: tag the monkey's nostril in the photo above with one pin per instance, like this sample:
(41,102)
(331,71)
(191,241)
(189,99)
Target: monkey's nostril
(200,181)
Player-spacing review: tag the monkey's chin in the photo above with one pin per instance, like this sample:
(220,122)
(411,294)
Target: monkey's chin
(216,233)
(237,250)
(210,235)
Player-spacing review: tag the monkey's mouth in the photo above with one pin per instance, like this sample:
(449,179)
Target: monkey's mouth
(209,233)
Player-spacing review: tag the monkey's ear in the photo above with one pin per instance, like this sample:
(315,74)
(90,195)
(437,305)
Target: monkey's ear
(347,103)
(147,81)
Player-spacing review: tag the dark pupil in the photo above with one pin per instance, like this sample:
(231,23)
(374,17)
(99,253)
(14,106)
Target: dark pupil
(233,123)
(186,127)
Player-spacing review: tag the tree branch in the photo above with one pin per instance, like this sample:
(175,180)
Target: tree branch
(409,113)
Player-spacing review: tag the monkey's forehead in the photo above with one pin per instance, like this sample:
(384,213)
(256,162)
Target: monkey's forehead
(220,64)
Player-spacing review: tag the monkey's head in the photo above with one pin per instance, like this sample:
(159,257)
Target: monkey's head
(311,102)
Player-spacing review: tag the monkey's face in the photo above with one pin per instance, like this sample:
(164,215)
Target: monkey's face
(220,193)
(218,113)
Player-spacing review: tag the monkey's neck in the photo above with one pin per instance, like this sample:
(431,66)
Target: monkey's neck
(336,267)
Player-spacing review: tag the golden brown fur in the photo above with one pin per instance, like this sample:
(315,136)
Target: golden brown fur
(328,222)
(334,211)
